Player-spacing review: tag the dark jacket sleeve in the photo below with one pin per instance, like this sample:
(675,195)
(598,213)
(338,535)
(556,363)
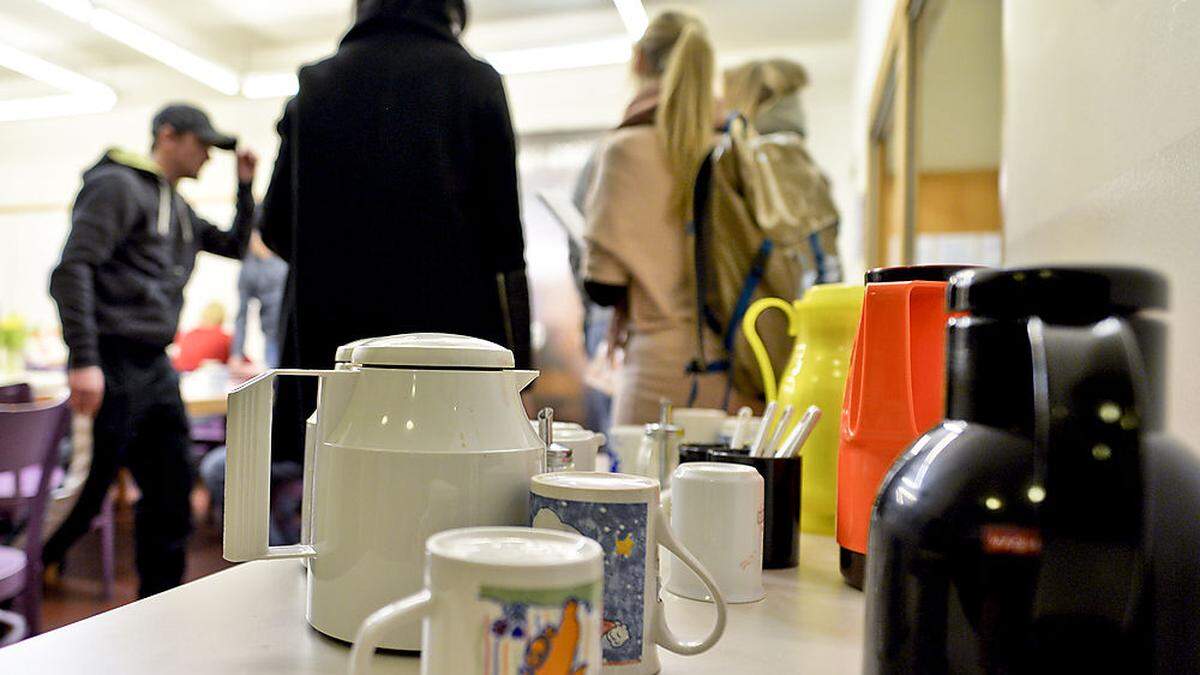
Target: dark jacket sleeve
(102,217)
(496,181)
(275,224)
(231,243)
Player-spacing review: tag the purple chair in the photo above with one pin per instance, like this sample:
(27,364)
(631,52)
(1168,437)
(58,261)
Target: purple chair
(28,480)
(20,392)
(29,437)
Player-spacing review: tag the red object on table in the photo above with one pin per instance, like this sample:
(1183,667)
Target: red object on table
(199,345)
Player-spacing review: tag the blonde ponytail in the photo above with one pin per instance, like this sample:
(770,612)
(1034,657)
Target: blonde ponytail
(677,47)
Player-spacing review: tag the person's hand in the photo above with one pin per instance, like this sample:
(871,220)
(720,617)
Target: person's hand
(87,389)
(247,162)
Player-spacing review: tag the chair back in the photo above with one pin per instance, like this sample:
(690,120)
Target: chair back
(29,437)
(20,392)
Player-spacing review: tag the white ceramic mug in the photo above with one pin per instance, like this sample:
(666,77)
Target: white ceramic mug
(584,445)
(717,513)
(700,425)
(624,440)
(500,601)
(622,513)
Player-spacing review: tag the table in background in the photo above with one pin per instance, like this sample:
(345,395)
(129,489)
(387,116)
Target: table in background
(250,619)
(200,399)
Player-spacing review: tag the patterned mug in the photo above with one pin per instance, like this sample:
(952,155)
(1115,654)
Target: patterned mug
(500,601)
(623,514)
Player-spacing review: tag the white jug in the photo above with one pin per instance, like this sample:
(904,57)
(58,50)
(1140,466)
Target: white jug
(417,434)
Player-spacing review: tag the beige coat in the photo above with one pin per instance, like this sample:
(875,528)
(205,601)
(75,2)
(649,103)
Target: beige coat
(635,239)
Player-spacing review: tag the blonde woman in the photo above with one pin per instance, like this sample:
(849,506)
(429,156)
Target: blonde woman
(638,249)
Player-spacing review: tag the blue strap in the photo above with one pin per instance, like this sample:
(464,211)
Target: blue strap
(814,242)
(753,278)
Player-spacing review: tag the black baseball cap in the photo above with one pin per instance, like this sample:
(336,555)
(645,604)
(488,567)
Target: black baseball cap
(184,117)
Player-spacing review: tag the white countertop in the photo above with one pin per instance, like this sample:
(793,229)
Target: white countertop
(250,619)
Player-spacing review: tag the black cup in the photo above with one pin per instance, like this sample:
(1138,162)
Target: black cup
(781,504)
(698,452)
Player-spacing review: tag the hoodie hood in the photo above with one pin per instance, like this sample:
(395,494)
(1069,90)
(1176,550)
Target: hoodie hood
(149,170)
(383,16)
(121,157)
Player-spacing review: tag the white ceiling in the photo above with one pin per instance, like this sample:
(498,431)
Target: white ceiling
(281,34)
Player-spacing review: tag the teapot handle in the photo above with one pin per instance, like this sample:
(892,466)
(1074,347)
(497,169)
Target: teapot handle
(248,471)
(1087,443)
(749,327)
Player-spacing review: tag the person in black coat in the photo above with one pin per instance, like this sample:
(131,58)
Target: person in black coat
(394,198)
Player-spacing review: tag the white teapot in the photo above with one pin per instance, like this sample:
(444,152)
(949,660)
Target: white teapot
(417,434)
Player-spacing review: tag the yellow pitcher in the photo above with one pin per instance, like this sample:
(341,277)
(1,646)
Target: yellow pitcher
(824,322)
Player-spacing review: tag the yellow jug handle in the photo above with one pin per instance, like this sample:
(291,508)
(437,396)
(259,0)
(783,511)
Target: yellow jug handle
(756,343)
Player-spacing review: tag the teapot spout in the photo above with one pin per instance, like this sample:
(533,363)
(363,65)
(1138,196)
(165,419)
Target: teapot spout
(522,378)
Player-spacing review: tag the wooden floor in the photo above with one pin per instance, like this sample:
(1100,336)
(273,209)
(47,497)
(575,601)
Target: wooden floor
(77,595)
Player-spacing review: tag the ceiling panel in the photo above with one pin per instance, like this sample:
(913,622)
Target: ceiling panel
(243,33)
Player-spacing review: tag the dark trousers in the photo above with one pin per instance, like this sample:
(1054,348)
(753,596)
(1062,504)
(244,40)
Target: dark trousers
(141,424)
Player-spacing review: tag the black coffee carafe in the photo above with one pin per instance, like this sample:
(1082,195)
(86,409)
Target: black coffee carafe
(1042,526)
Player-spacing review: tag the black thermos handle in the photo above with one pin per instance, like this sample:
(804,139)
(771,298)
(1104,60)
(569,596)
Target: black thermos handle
(1087,389)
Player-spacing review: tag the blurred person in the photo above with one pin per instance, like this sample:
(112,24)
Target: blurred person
(119,290)
(394,198)
(637,212)
(767,93)
(756,242)
(206,342)
(597,319)
(262,277)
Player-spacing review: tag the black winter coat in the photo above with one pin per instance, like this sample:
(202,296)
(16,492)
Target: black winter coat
(394,199)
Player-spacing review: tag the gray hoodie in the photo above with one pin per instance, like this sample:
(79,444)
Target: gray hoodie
(131,250)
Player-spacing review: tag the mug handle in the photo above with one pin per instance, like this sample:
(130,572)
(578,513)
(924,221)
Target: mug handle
(370,633)
(750,329)
(663,635)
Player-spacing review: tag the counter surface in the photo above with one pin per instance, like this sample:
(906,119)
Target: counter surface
(250,619)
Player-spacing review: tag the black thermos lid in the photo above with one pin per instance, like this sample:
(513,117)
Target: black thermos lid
(1057,294)
(915,273)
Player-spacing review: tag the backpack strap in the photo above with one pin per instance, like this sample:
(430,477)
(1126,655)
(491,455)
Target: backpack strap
(701,222)
(704,316)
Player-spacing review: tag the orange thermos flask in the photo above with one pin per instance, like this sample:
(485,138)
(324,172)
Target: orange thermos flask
(895,392)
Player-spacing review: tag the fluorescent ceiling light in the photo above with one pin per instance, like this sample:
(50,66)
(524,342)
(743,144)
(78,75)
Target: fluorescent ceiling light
(80,10)
(82,94)
(605,52)
(63,105)
(270,85)
(562,57)
(633,15)
(149,43)
(43,71)
(164,51)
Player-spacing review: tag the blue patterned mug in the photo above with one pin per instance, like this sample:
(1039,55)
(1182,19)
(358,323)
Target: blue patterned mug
(622,513)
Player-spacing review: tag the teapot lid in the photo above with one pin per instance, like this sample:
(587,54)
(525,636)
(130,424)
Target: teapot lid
(345,353)
(1059,294)
(432,350)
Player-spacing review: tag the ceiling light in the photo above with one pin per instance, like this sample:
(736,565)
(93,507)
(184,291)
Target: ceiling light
(563,57)
(82,94)
(80,10)
(43,71)
(633,15)
(62,105)
(149,43)
(270,85)
(164,51)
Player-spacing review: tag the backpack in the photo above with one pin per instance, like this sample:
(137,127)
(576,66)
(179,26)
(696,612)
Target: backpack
(764,225)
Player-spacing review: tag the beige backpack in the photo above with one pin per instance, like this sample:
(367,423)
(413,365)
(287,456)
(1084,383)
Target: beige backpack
(765,225)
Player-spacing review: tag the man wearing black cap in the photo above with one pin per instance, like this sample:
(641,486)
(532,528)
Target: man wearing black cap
(119,290)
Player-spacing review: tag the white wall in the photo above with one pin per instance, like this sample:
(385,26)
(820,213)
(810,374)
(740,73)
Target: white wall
(959,89)
(42,160)
(1102,152)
